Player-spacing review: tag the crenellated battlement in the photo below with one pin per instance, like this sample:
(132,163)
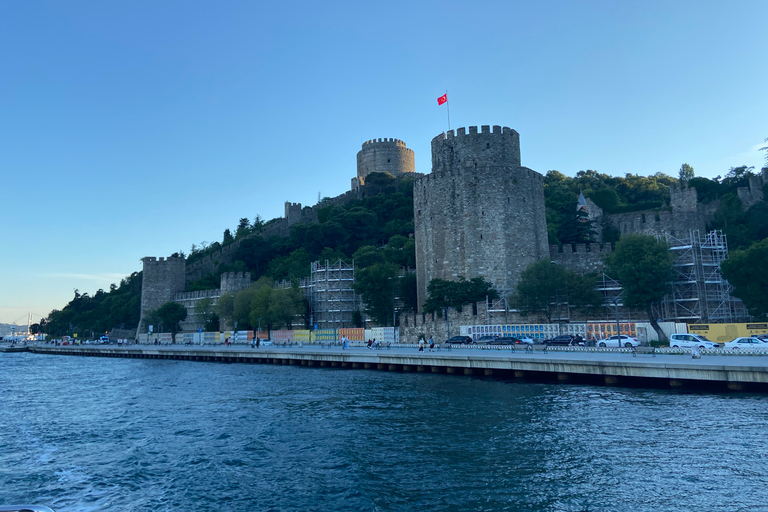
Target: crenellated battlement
(384,155)
(490,146)
(474,209)
(385,143)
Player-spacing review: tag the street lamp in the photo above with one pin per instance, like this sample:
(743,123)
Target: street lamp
(616,307)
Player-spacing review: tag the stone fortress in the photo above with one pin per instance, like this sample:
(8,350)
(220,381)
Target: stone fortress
(479,213)
(383,155)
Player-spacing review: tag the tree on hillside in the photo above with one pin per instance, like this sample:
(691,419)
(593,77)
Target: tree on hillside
(243,228)
(455,294)
(206,311)
(686,173)
(276,308)
(643,266)
(170,315)
(747,271)
(545,288)
(228,238)
(377,286)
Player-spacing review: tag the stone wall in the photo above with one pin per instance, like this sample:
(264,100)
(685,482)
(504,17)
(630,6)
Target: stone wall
(384,155)
(753,193)
(685,213)
(580,258)
(162,279)
(479,213)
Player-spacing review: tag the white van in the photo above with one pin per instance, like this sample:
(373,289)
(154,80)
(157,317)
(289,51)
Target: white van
(691,341)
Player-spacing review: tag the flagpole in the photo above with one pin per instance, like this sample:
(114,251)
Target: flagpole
(448,109)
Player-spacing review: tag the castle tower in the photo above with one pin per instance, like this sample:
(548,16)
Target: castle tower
(384,155)
(479,213)
(233,282)
(162,278)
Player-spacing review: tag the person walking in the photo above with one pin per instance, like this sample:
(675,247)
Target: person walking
(421,344)
(431,344)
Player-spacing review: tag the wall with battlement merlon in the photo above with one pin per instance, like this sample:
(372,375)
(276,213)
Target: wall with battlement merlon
(384,155)
(479,213)
(580,258)
(488,147)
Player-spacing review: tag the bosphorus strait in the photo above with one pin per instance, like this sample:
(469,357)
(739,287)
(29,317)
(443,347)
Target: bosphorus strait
(82,434)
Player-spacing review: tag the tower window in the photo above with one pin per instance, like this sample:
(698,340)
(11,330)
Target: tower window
(387,160)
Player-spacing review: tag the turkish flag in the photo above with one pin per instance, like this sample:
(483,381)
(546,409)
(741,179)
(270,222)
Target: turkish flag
(442,99)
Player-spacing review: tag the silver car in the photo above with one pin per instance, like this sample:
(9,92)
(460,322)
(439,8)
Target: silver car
(746,343)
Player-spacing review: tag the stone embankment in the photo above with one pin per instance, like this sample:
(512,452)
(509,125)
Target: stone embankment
(601,367)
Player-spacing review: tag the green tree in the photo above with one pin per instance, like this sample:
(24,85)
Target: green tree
(747,271)
(686,173)
(228,238)
(277,308)
(455,294)
(170,315)
(225,308)
(643,266)
(545,288)
(205,310)
(243,228)
(377,284)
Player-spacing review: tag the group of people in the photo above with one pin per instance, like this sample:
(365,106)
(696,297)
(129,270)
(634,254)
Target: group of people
(431,344)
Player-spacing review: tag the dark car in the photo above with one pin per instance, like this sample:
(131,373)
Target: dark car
(564,339)
(460,340)
(506,341)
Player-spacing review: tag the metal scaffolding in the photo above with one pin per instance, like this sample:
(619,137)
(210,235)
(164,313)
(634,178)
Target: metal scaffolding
(699,291)
(332,298)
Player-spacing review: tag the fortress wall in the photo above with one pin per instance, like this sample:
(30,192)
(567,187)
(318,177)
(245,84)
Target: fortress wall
(162,279)
(384,155)
(478,214)
(580,258)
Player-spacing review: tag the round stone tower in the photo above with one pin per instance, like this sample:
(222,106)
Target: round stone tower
(384,155)
(478,213)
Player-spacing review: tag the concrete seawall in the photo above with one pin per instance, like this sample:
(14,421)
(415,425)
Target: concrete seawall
(711,373)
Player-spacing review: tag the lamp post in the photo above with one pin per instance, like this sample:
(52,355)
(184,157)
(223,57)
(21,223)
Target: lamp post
(616,307)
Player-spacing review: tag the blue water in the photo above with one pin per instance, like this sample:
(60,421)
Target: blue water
(82,434)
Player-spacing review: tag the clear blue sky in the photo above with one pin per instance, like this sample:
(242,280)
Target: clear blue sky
(131,129)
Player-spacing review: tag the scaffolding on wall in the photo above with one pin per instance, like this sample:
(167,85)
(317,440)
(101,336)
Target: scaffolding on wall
(699,291)
(332,299)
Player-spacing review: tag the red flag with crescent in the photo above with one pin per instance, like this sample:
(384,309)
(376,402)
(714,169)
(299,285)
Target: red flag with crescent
(442,99)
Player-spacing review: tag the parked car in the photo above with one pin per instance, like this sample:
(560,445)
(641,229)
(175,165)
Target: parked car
(746,343)
(486,339)
(682,340)
(461,340)
(508,340)
(618,340)
(564,339)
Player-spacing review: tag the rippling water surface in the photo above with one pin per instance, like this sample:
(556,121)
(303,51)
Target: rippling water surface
(81,434)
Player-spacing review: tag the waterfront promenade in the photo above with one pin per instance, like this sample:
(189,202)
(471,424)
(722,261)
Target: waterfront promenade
(620,367)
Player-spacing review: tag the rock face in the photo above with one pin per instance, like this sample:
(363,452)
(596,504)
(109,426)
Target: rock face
(479,213)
